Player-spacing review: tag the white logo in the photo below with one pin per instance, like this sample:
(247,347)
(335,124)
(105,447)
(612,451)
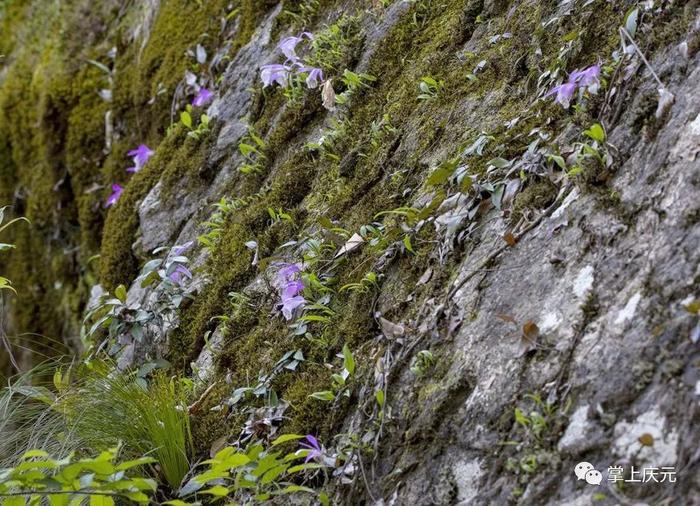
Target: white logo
(586,471)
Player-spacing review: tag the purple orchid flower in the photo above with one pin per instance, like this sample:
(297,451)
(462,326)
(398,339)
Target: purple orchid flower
(179,250)
(140,156)
(274,73)
(290,305)
(179,274)
(315,76)
(588,78)
(203,97)
(288,45)
(564,93)
(288,271)
(116,193)
(314,447)
(292,289)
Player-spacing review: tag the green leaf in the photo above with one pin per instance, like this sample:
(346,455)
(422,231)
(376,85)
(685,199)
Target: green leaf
(348,360)
(98,466)
(292,489)
(101,500)
(57,500)
(273,474)
(177,502)
(14,501)
(5,285)
(407,243)
(303,467)
(138,497)
(285,438)
(500,163)
(246,149)
(229,458)
(34,453)
(42,394)
(631,20)
(257,139)
(186,119)
(325,395)
(216,491)
(443,172)
(559,161)
(120,293)
(136,462)
(596,132)
(380,397)
(521,418)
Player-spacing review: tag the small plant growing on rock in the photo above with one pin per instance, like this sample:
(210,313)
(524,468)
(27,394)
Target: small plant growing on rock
(200,129)
(252,148)
(340,386)
(5,283)
(128,324)
(257,474)
(429,88)
(593,152)
(102,479)
(353,82)
(422,363)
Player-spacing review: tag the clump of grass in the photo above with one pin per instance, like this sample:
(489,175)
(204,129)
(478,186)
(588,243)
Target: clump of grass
(97,408)
(149,419)
(26,421)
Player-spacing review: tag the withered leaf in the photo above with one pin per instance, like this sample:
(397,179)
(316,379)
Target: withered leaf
(328,95)
(506,318)
(391,330)
(530,331)
(646,439)
(510,239)
(425,277)
(218,445)
(353,243)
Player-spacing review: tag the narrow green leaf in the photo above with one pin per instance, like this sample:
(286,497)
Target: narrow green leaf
(325,395)
(348,360)
(286,438)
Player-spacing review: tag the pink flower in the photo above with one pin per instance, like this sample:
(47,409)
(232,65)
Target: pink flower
(140,156)
(203,97)
(116,193)
(179,250)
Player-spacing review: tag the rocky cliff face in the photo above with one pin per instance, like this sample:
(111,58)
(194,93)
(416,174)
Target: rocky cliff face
(514,272)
